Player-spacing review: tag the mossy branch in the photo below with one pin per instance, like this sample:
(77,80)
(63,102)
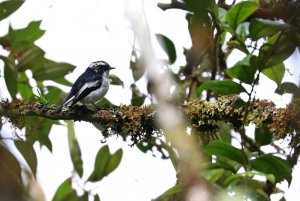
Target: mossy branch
(140,121)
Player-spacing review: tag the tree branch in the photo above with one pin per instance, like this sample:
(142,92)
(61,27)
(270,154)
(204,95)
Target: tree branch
(140,122)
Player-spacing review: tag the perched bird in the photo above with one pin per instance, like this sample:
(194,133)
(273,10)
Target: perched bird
(90,87)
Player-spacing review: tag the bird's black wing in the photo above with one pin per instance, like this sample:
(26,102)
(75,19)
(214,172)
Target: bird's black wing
(86,83)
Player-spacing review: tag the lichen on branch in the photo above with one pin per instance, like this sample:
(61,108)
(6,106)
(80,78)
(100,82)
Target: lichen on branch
(140,122)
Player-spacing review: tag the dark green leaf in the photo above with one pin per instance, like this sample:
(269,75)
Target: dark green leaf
(138,101)
(240,12)
(84,197)
(168,46)
(38,129)
(219,148)
(28,153)
(24,37)
(97,198)
(288,87)
(145,146)
(269,164)
(115,80)
(31,58)
(10,76)
(53,70)
(260,28)
(262,135)
(224,87)
(243,70)
(53,95)
(223,165)
(65,192)
(276,50)
(105,163)
(24,87)
(74,149)
(25,90)
(9,7)
(238,45)
(275,73)
(137,97)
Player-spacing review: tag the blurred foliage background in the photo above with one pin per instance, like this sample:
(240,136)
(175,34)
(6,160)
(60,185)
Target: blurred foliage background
(237,165)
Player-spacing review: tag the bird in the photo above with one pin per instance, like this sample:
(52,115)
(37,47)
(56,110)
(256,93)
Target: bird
(90,87)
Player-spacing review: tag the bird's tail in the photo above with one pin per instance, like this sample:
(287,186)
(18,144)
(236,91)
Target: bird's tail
(58,109)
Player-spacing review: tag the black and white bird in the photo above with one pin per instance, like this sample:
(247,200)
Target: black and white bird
(90,87)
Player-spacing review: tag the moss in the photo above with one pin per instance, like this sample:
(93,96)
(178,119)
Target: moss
(139,123)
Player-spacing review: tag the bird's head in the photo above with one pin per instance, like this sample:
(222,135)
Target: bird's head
(100,66)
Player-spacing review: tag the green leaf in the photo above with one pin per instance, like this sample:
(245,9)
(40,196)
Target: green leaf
(275,73)
(243,70)
(38,129)
(65,192)
(269,164)
(24,87)
(238,45)
(288,87)
(219,148)
(214,174)
(10,76)
(138,101)
(74,149)
(28,153)
(262,135)
(31,58)
(104,103)
(170,192)
(168,46)
(84,197)
(233,180)
(9,7)
(242,31)
(222,165)
(53,70)
(276,50)
(115,80)
(63,81)
(240,12)
(97,198)
(223,87)
(137,97)
(260,28)
(53,95)
(105,163)
(24,37)
(137,68)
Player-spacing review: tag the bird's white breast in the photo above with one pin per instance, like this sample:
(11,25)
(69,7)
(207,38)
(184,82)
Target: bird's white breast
(98,94)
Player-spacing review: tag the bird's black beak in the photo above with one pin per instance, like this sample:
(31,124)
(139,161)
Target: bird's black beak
(110,68)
